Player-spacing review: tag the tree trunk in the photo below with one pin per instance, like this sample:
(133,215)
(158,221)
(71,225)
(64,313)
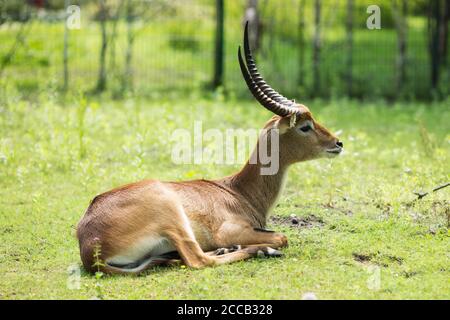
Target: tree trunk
(443,39)
(127,81)
(400,15)
(349,44)
(101,83)
(113,38)
(316,47)
(254,24)
(66,49)
(437,37)
(24,29)
(219,47)
(301,43)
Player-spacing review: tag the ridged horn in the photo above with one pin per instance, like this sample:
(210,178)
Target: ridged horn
(259,81)
(262,98)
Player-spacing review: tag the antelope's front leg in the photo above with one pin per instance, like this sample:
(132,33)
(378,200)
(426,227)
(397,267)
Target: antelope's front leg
(242,233)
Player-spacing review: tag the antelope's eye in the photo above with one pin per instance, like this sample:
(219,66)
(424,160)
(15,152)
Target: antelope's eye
(306,128)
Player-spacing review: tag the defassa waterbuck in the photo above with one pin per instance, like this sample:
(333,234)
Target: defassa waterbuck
(204,222)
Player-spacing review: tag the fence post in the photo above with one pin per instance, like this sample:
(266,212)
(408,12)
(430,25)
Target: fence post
(400,12)
(252,17)
(127,79)
(103,16)
(219,45)
(349,64)
(435,20)
(316,48)
(66,49)
(301,43)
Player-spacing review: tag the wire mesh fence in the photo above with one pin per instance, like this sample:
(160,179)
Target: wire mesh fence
(169,46)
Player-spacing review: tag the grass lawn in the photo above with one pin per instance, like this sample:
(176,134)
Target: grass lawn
(360,233)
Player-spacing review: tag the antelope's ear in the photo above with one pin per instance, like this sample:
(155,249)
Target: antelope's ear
(285,123)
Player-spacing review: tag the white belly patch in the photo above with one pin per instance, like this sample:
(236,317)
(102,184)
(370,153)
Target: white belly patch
(146,247)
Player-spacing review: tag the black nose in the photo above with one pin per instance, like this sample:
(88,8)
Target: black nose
(340,144)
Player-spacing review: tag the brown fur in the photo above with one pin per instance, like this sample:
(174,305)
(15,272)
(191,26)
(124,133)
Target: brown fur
(200,215)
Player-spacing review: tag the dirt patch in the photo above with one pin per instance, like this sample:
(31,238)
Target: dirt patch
(361,257)
(392,258)
(293,221)
(333,207)
(409,274)
(434,216)
(377,258)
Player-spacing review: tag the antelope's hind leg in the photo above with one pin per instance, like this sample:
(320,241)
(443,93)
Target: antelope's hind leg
(193,256)
(253,242)
(264,249)
(247,236)
(246,252)
(180,233)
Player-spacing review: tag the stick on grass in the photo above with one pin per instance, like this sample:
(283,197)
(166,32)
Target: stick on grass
(420,195)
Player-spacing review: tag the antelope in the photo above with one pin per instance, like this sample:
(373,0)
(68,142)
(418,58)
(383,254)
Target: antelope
(204,222)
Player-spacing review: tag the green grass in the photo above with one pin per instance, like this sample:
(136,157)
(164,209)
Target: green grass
(55,157)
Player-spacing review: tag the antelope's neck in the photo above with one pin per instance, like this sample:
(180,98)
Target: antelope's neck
(260,191)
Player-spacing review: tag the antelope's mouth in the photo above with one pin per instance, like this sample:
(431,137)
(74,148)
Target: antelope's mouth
(334,151)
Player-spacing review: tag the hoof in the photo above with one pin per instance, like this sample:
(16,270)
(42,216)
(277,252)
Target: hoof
(269,252)
(273,253)
(222,251)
